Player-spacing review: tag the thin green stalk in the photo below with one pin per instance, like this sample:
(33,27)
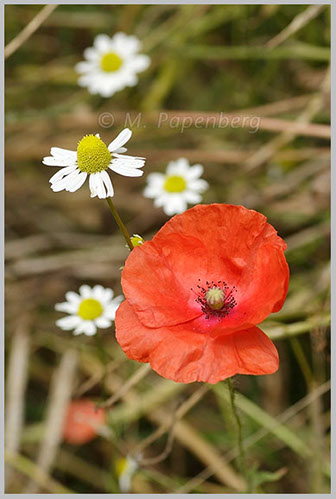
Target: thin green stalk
(303,362)
(120,223)
(242,457)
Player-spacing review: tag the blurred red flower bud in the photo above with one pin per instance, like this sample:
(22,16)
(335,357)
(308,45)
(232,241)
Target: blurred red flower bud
(82,420)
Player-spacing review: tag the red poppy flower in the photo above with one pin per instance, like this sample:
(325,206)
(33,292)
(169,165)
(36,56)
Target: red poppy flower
(195,293)
(82,420)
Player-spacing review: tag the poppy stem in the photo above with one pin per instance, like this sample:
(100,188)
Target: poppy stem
(242,457)
(120,223)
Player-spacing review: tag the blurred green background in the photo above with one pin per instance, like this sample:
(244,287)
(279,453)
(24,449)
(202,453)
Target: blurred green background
(207,59)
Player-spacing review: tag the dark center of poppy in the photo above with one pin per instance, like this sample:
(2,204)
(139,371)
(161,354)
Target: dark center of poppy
(216,299)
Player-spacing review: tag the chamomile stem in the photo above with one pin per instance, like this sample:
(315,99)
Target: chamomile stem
(242,457)
(120,223)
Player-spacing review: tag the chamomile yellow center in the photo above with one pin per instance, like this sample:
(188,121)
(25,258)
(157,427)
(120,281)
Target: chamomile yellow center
(215,298)
(92,155)
(110,62)
(121,466)
(90,309)
(174,183)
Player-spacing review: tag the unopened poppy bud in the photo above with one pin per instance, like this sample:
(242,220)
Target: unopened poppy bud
(215,298)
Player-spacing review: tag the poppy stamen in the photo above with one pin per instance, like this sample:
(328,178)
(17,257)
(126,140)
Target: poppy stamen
(216,299)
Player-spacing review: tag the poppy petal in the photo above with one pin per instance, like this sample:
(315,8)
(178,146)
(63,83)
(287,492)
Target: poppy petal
(157,280)
(268,280)
(183,355)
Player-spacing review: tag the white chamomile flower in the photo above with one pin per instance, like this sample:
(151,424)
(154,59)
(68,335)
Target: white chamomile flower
(180,185)
(93,158)
(111,64)
(92,308)
(125,469)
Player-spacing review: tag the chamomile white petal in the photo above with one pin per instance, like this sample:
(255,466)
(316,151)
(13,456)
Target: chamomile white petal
(139,63)
(200,185)
(175,205)
(73,297)
(69,308)
(183,163)
(100,187)
(59,161)
(91,54)
(89,328)
(92,185)
(178,167)
(98,292)
(108,295)
(195,172)
(65,153)
(156,179)
(62,173)
(124,170)
(77,181)
(85,66)
(68,323)
(102,43)
(107,183)
(86,327)
(120,140)
(85,291)
(139,159)
(102,322)
(112,307)
(66,181)
(127,163)
(127,45)
(192,197)
(152,191)
(58,186)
